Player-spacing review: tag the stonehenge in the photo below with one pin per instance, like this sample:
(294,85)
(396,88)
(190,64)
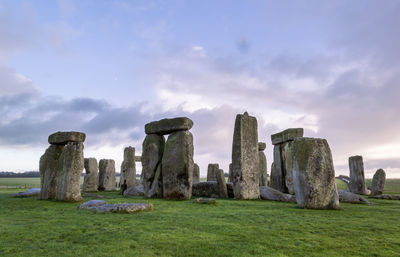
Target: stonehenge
(212,171)
(107,179)
(268,193)
(281,171)
(128,169)
(60,167)
(91,179)
(378,182)
(245,166)
(262,164)
(168,165)
(357,178)
(196,173)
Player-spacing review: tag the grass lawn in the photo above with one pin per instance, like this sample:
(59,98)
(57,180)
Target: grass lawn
(30,227)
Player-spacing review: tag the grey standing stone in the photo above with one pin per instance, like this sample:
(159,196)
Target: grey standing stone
(177,166)
(206,189)
(167,126)
(62,138)
(314,174)
(71,164)
(277,179)
(262,166)
(287,135)
(357,178)
(288,166)
(230,176)
(107,178)
(128,169)
(91,179)
(48,167)
(196,173)
(212,171)
(245,165)
(152,152)
(223,191)
(378,182)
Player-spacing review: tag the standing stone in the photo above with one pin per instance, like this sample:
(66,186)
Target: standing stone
(288,166)
(212,171)
(262,164)
(223,191)
(128,169)
(378,182)
(48,167)
(230,176)
(277,180)
(245,165)
(71,164)
(177,166)
(107,178)
(196,173)
(357,178)
(314,174)
(153,148)
(91,179)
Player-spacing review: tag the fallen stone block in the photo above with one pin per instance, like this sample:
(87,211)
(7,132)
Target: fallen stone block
(349,197)
(205,201)
(100,206)
(28,193)
(268,193)
(137,190)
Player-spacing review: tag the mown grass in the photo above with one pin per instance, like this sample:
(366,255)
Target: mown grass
(31,227)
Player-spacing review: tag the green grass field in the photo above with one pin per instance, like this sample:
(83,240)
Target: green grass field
(30,227)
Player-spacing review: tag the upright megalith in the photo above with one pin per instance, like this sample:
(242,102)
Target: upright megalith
(153,149)
(281,172)
(378,182)
(212,171)
(128,169)
(177,166)
(222,189)
(48,167)
(230,174)
(107,178)
(61,166)
(357,178)
(196,173)
(91,179)
(262,164)
(314,174)
(71,164)
(245,162)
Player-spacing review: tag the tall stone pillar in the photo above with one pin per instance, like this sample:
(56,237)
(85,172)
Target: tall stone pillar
(91,179)
(262,160)
(212,171)
(357,178)
(153,149)
(196,173)
(128,169)
(107,179)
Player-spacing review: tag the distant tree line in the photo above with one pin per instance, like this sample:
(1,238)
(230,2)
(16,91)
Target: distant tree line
(26,174)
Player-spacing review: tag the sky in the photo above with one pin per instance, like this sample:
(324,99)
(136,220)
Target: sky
(107,68)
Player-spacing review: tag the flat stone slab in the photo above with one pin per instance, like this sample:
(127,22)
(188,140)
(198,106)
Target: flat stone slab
(287,135)
(30,192)
(386,197)
(205,200)
(62,138)
(268,193)
(349,197)
(100,206)
(167,126)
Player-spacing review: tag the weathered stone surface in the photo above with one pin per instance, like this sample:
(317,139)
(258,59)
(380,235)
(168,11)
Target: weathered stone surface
(212,171)
(277,179)
(288,166)
(357,178)
(229,187)
(196,173)
(152,152)
(91,179)
(35,191)
(230,176)
(268,193)
(138,158)
(245,166)
(287,135)
(71,164)
(107,178)
(378,182)
(202,200)
(223,191)
(128,169)
(137,190)
(206,189)
(48,167)
(62,138)
(177,166)
(100,206)
(261,146)
(386,197)
(167,126)
(349,197)
(314,174)
(262,166)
